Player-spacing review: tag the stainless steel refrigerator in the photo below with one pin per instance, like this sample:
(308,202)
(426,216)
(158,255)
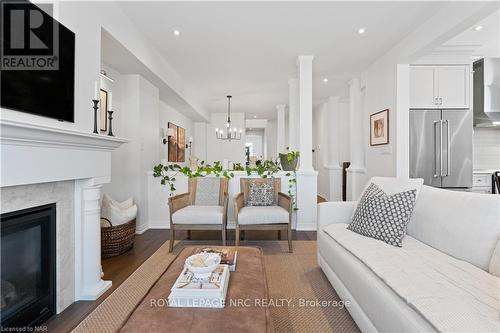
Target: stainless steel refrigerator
(441,147)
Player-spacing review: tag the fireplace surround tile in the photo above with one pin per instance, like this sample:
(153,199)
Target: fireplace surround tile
(62,193)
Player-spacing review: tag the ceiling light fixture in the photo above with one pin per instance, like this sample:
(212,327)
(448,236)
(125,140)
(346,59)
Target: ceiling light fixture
(176,32)
(496,123)
(361,31)
(254,117)
(231,133)
(478,28)
(325,80)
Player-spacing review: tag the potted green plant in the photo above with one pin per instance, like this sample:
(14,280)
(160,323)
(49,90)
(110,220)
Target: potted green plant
(289,161)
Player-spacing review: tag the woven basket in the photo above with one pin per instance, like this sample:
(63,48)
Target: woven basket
(116,240)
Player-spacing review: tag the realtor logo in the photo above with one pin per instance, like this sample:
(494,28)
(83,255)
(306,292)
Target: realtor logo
(29,37)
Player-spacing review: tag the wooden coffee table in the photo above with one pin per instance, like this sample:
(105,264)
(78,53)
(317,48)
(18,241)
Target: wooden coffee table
(242,313)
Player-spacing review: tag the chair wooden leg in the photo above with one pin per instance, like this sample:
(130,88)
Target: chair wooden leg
(223,236)
(237,236)
(290,249)
(279,234)
(172,239)
(189,234)
(242,234)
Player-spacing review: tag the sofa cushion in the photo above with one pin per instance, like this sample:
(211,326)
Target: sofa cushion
(383,216)
(451,294)
(462,224)
(262,215)
(199,215)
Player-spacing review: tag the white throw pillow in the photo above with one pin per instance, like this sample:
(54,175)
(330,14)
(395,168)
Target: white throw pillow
(495,261)
(106,199)
(118,216)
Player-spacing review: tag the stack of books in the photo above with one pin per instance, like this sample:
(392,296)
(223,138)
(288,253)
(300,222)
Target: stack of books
(210,291)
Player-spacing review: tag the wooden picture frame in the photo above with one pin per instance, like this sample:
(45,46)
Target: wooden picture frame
(379,128)
(181,144)
(103,110)
(177,144)
(172,144)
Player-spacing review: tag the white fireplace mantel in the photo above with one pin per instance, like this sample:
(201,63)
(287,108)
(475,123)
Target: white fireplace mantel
(33,154)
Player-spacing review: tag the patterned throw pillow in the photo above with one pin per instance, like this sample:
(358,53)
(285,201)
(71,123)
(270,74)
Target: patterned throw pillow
(383,216)
(261,193)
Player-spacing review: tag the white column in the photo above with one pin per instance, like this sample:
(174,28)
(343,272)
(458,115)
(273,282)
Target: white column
(88,268)
(280,128)
(356,171)
(293,114)
(334,141)
(305,112)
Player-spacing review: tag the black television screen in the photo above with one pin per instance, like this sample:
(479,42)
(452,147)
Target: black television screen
(38,62)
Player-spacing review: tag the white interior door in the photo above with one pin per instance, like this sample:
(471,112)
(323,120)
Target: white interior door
(453,87)
(423,87)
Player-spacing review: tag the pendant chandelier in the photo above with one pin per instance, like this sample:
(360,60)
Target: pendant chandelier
(231,133)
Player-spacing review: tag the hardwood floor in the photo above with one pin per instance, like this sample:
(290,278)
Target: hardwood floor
(117,269)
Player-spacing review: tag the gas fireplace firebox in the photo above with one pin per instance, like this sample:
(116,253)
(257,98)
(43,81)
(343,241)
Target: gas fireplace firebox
(28,266)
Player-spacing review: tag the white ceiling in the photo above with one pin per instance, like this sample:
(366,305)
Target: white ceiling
(478,44)
(249,50)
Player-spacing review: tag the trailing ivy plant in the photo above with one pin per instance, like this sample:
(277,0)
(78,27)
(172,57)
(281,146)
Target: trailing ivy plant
(265,169)
(203,170)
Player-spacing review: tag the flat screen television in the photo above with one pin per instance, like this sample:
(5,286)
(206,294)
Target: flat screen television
(49,93)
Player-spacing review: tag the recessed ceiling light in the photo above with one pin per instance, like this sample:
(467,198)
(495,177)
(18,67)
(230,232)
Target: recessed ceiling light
(176,32)
(478,28)
(361,31)
(255,117)
(325,80)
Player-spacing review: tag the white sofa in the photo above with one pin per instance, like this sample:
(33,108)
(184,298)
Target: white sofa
(438,280)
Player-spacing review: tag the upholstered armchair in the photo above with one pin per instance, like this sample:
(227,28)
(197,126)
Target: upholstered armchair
(277,216)
(203,207)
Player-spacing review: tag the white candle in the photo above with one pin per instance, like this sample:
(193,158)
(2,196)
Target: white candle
(110,102)
(96,90)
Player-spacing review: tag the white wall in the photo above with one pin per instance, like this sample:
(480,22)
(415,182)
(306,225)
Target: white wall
(271,139)
(320,146)
(200,140)
(137,105)
(169,114)
(486,148)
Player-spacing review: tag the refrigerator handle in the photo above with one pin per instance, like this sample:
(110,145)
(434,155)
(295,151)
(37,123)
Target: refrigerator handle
(435,150)
(448,152)
(441,148)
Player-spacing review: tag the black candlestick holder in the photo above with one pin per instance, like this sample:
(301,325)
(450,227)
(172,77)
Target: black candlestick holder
(95,101)
(110,117)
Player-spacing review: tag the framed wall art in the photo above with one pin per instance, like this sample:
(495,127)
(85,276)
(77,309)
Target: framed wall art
(379,128)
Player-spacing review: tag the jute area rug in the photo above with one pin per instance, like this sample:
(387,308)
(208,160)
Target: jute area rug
(297,286)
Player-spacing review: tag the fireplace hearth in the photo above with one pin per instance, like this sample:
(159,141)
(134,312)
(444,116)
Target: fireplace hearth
(28,266)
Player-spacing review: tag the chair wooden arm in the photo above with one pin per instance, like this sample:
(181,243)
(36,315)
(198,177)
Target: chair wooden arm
(178,202)
(238,204)
(285,201)
(225,203)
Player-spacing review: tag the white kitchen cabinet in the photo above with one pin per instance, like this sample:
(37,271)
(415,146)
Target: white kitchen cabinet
(439,87)
(453,87)
(423,87)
